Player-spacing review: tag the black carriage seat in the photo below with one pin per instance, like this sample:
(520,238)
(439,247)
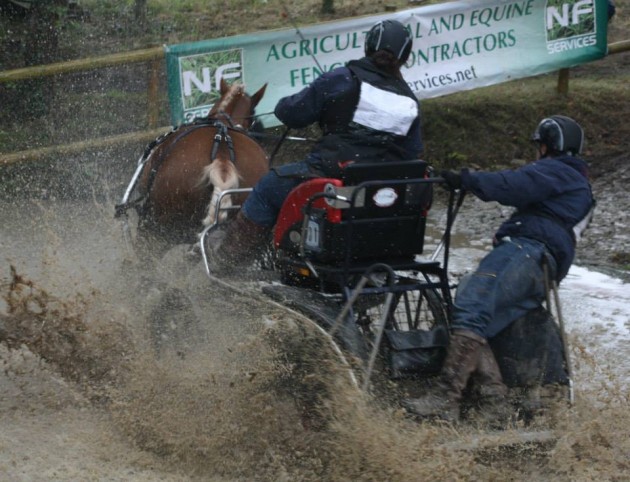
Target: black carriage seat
(384,220)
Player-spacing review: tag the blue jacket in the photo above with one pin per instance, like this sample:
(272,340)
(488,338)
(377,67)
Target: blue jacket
(551,196)
(330,100)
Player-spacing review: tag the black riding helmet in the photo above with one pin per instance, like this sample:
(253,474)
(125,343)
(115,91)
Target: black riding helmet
(560,134)
(389,35)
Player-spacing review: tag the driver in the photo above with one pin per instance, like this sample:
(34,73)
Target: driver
(552,197)
(366,112)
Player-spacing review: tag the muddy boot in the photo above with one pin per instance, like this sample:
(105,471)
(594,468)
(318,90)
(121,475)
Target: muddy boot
(493,408)
(442,400)
(237,246)
(540,401)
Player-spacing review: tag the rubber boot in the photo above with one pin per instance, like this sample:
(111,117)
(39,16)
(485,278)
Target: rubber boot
(442,400)
(236,246)
(493,408)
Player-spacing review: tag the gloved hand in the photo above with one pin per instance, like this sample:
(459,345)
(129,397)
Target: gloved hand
(453,179)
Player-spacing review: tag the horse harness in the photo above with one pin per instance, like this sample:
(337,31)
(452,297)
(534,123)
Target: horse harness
(222,135)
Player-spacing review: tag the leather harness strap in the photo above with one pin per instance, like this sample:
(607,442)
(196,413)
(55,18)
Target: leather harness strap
(223,134)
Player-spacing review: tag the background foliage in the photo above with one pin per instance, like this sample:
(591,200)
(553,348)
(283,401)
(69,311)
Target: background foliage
(488,127)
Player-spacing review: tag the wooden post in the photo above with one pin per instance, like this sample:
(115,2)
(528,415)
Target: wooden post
(328,6)
(153,93)
(563,81)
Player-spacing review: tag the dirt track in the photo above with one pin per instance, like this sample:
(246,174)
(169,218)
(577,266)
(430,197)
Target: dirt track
(103,409)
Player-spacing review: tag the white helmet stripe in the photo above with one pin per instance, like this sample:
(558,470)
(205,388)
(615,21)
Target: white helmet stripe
(402,50)
(561,146)
(381,28)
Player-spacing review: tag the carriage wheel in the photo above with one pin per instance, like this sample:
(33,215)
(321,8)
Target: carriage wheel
(410,310)
(173,324)
(417,310)
(173,320)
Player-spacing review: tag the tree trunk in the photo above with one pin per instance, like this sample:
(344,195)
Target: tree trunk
(328,6)
(40,47)
(140,13)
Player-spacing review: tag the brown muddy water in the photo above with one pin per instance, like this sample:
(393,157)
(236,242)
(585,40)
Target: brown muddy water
(83,397)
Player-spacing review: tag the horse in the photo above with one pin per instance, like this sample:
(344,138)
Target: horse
(185,171)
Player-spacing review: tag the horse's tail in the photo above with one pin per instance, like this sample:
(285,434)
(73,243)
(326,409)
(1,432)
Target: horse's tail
(222,175)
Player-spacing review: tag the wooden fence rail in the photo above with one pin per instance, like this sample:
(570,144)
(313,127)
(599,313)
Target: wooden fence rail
(154,56)
(146,55)
(563,74)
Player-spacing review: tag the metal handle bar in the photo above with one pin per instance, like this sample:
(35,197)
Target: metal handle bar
(442,243)
(207,229)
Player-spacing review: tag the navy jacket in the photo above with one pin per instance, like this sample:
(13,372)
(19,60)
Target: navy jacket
(551,196)
(330,101)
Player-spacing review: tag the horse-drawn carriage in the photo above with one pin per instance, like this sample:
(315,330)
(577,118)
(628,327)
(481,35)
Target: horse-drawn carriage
(349,254)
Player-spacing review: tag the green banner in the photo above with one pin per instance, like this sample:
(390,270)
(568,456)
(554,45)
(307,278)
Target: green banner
(457,46)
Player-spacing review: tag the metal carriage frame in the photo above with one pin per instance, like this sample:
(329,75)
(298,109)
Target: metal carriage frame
(370,304)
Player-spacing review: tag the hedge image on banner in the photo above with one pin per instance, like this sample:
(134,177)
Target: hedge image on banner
(569,18)
(201,79)
(570,24)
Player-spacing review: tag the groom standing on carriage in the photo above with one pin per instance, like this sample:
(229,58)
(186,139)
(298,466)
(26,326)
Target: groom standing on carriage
(367,113)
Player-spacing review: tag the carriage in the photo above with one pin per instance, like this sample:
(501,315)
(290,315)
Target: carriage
(348,253)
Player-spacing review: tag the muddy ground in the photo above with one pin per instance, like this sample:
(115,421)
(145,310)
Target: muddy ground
(83,396)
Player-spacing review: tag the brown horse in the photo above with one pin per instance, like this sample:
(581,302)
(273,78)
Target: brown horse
(186,171)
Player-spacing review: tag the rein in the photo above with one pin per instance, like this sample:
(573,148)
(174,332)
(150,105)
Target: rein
(223,134)
(216,119)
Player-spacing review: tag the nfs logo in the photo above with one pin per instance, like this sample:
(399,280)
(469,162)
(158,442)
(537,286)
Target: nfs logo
(201,79)
(569,24)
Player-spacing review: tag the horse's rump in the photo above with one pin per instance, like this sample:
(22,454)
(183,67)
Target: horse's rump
(173,178)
